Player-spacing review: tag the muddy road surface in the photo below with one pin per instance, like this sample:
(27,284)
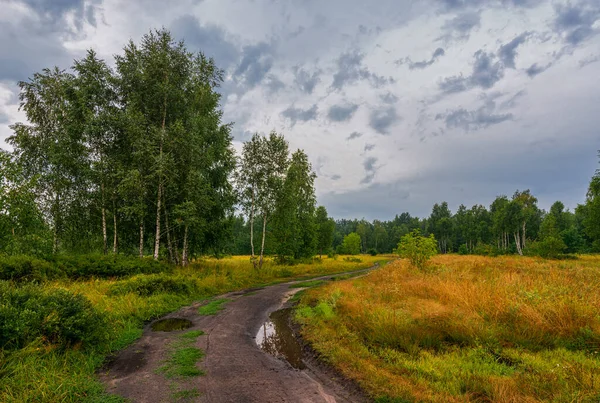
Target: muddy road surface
(235,368)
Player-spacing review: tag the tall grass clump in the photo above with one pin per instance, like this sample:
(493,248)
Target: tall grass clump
(468,329)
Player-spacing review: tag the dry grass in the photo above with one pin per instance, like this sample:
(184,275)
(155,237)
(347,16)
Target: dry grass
(468,329)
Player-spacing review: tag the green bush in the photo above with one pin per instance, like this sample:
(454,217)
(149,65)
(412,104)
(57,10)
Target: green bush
(372,252)
(417,248)
(27,268)
(147,285)
(57,317)
(463,250)
(107,266)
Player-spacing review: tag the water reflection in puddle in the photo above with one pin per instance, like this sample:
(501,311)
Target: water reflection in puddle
(171,325)
(277,338)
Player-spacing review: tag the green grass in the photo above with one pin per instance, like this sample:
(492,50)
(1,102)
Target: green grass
(213,307)
(183,357)
(307,284)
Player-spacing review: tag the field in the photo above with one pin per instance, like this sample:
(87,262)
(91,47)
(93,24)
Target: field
(467,329)
(112,312)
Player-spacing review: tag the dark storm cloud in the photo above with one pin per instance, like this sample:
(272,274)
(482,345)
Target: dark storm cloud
(54,11)
(370,169)
(460,27)
(351,70)
(575,21)
(508,52)
(298,114)
(209,39)
(256,62)
(306,81)
(474,120)
(439,52)
(354,135)
(382,119)
(341,113)
(536,69)
(487,71)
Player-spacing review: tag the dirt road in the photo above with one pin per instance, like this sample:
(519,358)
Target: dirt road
(237,370)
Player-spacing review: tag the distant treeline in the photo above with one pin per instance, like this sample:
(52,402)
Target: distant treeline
(513,225)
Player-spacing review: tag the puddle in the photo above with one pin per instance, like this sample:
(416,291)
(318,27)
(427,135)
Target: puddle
(171,325)
(276,338)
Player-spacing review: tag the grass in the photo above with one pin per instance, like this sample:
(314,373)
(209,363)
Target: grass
(505,329)
(41,373)
(213,307)
(183,357)
(306,284)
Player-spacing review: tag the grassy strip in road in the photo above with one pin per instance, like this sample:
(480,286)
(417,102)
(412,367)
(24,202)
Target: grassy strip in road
(213,307)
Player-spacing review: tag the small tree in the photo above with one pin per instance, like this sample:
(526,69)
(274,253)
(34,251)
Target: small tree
(417,248)
(351,244)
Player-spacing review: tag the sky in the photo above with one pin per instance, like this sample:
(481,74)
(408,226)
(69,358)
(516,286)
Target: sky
(399,104)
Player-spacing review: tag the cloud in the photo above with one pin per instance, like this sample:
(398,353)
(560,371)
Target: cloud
(536,69)
(589,60)
(56,12)
(459,28)
(335,177)
(350,70)
(354,135)
(298,114)
(210,39)
(473,120)
(575,21)
(508,52)
(369,147)
(388,98)
(439,52)
(370,169)
(274,84)
(341,113)
(382,119)
(306,81)
(487,71)
(256,62)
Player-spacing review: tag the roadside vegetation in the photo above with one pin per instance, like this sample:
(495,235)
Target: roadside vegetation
(468,328)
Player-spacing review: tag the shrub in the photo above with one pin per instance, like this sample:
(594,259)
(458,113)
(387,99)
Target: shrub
(372,252)
(106,266)
(147,285)
(351,244)
(463,250)
(55,316)
(417,248)
(27,268)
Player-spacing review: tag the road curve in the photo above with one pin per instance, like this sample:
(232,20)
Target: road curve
(236,369)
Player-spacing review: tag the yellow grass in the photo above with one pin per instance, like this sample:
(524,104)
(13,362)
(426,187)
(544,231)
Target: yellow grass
(467,329)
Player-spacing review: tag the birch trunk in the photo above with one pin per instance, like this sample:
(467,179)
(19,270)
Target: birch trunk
(252,229)
(114,224)
(518,243)
(160,177)
(184,256)
(169,245)
(524,233)
(104,234)
(262,247)
(141,238)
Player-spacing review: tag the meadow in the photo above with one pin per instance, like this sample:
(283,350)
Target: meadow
(465,329)
(60,319)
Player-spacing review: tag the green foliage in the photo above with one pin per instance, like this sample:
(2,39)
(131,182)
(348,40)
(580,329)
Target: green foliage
(551,244)
(351,244)
(27,268)
(183,357)
(325,230)
(372,252)
(417,248)
(463,250)
(213,307)
(56,317)
(146,285)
